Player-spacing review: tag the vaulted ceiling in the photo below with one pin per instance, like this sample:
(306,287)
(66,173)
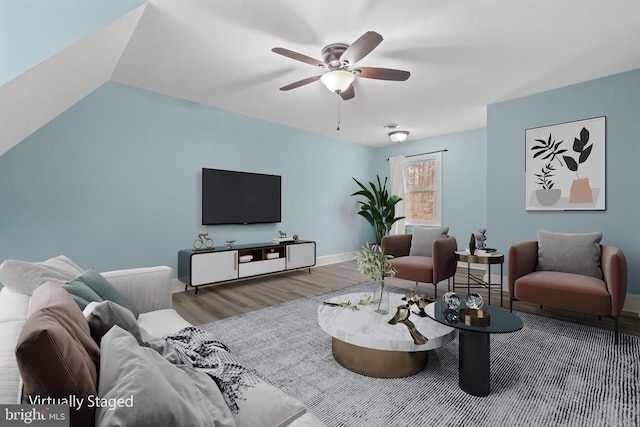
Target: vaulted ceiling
(462,55)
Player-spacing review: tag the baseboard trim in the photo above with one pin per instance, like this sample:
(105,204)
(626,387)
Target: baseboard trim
(631,302)
(335,258)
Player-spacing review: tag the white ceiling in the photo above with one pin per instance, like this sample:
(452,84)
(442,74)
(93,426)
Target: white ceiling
(462,54)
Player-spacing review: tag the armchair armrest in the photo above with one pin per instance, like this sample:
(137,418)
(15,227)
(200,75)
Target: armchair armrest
(149,288)
(523,259)
(444,260)
(614,271)
(397,245)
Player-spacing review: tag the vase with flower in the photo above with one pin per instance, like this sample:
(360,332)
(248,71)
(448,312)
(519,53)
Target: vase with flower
(374,264)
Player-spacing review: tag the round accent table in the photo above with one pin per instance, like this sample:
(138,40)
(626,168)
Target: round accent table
(364,342)
(487,259)
(473,344)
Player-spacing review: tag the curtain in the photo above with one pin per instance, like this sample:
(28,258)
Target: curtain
(396,172)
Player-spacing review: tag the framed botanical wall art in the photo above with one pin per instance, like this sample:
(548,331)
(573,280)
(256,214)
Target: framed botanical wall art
(565,166)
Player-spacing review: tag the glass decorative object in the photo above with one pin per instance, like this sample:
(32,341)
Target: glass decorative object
(451,300)
(474,300)
(382,299)
(451,316)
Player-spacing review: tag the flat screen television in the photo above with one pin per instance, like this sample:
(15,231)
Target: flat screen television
(230,197)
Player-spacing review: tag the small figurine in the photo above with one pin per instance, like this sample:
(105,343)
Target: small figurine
(480,238)
(230,243)
(294,237)
(421,301)
(282,234)
(203,242)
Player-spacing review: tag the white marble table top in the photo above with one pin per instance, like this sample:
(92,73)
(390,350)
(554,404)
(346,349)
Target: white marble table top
(366,328)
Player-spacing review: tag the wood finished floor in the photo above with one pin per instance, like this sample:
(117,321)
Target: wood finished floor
(225,300)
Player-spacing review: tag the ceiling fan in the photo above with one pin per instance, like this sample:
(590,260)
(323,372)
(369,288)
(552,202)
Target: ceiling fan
(339,60)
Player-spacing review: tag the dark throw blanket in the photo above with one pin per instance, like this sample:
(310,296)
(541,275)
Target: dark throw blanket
(197,348)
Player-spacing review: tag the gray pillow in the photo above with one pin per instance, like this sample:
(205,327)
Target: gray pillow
(102,317)
(577,253)
(154,392)
(423,238)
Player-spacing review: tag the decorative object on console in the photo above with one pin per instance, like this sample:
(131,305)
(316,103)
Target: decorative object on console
(203,242)
(230,243)
(472,244)
(295,237)
(373,263)
(578,182)
(378,208)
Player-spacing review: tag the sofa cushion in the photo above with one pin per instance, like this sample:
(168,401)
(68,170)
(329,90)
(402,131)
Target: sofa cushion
(10,384)
(415,268)
(160,323)
(55,352)
(24,277)
(423,238)
(266,405)
(13,306)
(577,253)
(91,284)
(568,291)
(159,393)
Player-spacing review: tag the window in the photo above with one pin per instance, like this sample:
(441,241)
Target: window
(423,189)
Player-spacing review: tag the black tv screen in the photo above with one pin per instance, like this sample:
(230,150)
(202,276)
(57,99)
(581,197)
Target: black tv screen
(230,197)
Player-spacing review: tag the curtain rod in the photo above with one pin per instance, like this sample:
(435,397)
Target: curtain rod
(422,154)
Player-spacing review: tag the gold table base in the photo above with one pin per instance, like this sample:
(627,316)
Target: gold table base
(378,363)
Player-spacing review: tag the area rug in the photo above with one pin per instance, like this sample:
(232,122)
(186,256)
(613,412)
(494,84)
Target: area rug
(550,373)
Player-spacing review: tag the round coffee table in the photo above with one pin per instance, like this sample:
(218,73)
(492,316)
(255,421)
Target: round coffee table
(364,342)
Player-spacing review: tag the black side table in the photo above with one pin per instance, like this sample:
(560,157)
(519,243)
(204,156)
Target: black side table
(488,259)
(474,370)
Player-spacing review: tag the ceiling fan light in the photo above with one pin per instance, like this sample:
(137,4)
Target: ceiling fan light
(398,136)
(337,80)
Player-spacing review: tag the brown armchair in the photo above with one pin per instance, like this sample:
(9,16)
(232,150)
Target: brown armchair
(569,291)
(433,269)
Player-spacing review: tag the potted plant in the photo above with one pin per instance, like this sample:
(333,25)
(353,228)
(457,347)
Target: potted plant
(580,189)
(378,208)
(547,195)
(374,264)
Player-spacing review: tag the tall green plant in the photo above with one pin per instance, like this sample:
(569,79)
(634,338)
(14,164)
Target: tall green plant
(378,208)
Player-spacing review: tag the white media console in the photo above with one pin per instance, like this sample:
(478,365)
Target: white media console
(197,268)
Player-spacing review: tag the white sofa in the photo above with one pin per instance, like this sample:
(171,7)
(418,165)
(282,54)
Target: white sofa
(148,289)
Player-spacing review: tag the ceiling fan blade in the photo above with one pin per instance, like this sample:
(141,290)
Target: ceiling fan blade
(350,93)
(382,73)
(298,56)
(361,47)
(300,83)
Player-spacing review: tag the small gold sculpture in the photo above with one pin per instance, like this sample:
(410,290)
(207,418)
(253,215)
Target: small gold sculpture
(421,301)
(203,242)
(402,316)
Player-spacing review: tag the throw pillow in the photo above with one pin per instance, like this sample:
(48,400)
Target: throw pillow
(423,238)
(23,277)
(577,253)
(55,353)
(104,289)
(154,391)
(81,292)
(103,316)
(1,286)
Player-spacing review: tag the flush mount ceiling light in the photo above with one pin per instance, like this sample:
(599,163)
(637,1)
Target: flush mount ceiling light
(398,136)
(337,81)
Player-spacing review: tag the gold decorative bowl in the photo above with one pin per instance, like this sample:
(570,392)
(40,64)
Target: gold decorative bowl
(475,317)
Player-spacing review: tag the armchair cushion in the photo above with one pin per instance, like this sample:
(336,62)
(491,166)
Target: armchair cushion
(577,253)
(423,238)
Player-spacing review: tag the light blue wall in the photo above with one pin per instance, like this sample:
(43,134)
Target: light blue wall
(464,179)
(618,98)
(114,182)
(32,31)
